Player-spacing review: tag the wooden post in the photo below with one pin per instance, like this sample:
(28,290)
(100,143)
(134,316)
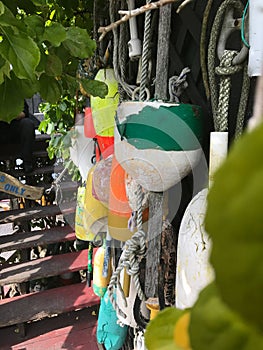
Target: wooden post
(162,62)
(154,244)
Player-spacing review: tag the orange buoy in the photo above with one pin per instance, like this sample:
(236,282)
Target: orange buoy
(119,209)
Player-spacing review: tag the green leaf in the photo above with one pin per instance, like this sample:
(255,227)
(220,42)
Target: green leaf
(234,221)
(7,19)
(215,326)
(94,87)
(2,8)
(50,89)
(159,333)
(53,66)
(55,34)
(39,2)
(11,99)
(79,43)
(4,69)
(21,51)
(35,26)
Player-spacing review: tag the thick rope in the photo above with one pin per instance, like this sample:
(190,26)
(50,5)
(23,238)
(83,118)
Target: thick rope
(131,256)
(134,251)
(145,53)
(226,68)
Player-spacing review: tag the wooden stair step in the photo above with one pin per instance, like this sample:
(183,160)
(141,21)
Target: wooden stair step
(44,267)
(34,306)
(43,170)
(23,240)
(36,212)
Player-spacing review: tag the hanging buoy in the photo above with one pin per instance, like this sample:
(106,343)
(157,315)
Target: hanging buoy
(95,212)
(80,230)
(158,143)
(101,180)
(82,151)
(119,209)
(104,109)
(100,282)
(109,332)
(194,270)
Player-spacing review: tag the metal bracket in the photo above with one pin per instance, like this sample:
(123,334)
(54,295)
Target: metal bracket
(231,24)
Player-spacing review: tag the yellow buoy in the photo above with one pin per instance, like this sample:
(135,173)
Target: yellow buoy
(95,212)
(100,283)
(104,109)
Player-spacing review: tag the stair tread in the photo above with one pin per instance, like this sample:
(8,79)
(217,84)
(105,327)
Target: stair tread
(36,212)
(58,300)
(44,267)
(22,240)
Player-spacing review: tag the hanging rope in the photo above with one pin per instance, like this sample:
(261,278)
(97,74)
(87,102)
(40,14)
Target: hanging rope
(145,53)
(220,100)
(134,251)
(119,62)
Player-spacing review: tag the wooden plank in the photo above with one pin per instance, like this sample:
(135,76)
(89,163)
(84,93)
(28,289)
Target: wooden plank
(162,62)
(154,244)
(72,330)
(45,267)
(22,240)
(37,212)
(34,306)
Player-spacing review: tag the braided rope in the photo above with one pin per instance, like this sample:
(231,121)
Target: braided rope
(145,53)
(116,62)
(226,68)
(131,256)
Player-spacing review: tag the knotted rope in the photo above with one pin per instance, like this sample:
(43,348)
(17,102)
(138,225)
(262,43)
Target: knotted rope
(226,68)
(134,251)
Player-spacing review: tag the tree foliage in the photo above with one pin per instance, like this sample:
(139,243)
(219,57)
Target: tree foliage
(41,43)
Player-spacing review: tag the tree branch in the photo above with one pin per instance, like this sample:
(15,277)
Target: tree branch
(129,14)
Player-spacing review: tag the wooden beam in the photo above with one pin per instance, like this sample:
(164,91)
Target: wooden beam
(45,267)
(154,243)
(34,306)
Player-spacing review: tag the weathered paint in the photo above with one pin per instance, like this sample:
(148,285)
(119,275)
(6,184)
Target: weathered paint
(156,125)
(153,169)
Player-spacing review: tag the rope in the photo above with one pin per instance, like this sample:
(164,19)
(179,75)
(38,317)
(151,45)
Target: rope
(55,185)
(145,53)
(220,100)
(131,256)
(134,251)
(177,84)
(225,70)
(128,89)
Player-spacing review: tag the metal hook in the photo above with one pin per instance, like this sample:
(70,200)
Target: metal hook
(231,24)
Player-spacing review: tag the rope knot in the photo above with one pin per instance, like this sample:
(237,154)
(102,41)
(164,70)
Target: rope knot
(226,66)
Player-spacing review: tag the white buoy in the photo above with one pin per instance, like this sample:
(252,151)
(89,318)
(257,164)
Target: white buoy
(194,271)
